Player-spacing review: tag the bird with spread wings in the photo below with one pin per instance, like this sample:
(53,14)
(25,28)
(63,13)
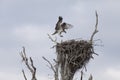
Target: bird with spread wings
(61,26)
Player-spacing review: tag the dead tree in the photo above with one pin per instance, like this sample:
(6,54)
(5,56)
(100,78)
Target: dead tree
(72,55)
(29,63)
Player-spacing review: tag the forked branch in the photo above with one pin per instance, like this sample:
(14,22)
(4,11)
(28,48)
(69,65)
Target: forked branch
(51,66)
(54,68)
(29,65)
(95,31)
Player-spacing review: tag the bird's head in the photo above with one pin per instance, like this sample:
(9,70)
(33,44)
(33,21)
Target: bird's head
(60,18)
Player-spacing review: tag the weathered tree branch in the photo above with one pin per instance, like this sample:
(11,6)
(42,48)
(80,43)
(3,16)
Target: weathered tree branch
(55,41)
(54,68)
(90,78)
(34,70)
(95,31)
(81,75)
(24,75)
(31,67)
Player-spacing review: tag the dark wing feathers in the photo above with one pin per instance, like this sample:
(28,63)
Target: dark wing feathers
(66,25)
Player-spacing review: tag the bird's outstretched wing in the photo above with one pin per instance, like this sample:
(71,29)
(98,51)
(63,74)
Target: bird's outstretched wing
(66,25)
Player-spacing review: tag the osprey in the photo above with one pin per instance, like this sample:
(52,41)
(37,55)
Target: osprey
(60,27)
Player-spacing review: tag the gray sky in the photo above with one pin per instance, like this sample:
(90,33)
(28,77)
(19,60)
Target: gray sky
(27,22)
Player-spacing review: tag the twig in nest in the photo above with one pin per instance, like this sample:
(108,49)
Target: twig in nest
(31,67)
(95,31)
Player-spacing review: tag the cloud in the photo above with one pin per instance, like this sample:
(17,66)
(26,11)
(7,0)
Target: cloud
(12,76)
(30,33)
(113,73)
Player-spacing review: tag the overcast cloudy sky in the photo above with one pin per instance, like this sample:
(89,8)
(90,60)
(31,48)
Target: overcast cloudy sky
(27,22)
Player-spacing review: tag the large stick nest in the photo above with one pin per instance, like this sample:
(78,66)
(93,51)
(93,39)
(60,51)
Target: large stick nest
(76,53)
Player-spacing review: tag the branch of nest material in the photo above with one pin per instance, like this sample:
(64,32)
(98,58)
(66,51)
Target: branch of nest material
(30,65)
(95,31)
(55,41)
